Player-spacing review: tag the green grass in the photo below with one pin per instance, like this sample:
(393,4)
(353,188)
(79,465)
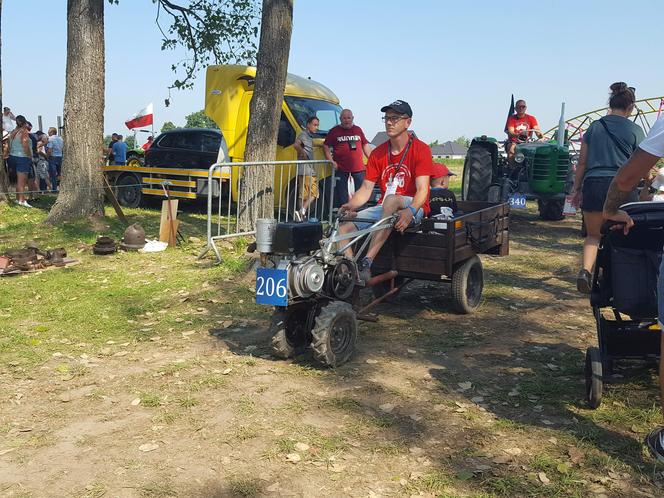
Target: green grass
(151,400)
(245,487)
(117,297)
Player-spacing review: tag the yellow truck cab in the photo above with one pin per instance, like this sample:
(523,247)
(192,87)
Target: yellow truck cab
(229,89)
(228,93)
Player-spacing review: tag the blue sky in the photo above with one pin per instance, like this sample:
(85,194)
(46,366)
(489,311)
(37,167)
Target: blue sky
(457,63)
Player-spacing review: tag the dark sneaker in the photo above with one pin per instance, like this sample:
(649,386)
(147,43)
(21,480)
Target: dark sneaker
(364,270)
(655,443)
(583,281)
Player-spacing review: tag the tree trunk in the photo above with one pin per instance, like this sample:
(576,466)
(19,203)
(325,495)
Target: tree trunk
(82,181)
(256,185)
(4,178)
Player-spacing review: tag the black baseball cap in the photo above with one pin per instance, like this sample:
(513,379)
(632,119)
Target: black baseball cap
(400,106)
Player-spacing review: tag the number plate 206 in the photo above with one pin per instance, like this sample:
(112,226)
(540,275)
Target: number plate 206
(272,287)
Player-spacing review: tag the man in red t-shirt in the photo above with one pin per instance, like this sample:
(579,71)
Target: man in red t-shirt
(520,127)
(345,145)
(147,144)
(401,167)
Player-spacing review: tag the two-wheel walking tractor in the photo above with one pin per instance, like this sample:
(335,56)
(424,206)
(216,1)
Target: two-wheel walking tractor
(315,288)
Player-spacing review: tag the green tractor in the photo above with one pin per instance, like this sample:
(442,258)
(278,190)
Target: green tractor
(540,170)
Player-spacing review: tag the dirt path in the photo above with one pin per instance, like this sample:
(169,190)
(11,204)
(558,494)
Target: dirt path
(433,404)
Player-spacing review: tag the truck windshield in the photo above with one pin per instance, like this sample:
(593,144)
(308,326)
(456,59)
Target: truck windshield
(303,108)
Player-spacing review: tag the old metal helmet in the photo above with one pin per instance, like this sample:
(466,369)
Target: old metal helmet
(134,237)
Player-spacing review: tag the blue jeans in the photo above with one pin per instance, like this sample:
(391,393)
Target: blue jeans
(54,170)
(375,213)
(20,164)
(341,188)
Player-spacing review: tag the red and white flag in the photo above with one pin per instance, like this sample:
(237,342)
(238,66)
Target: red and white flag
(141,118)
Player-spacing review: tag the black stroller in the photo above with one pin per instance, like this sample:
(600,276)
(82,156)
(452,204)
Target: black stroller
(625,280)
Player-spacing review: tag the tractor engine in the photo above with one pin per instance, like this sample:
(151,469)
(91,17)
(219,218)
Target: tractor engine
(295,247)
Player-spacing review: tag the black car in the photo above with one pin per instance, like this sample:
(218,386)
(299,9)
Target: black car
(177,150)
(185,148)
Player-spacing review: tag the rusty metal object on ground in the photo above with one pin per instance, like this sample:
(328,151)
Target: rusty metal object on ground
(104,245)
(134,238)
(30,258)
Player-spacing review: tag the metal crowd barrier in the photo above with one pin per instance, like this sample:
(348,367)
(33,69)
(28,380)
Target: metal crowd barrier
(293,186)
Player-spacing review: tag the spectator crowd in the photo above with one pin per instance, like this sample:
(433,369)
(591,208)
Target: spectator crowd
(33,160)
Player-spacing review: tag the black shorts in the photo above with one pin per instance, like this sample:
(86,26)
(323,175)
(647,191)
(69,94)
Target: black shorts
(594,192)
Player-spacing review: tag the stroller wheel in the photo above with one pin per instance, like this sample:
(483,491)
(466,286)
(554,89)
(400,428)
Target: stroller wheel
(594,383)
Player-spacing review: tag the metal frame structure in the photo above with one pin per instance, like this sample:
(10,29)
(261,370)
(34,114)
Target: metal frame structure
(577,125)
(231,173)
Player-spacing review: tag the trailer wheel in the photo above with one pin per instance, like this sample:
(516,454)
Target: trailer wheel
(551,209)
(128,189)
(288,328)
(334,334)
(467,285)
(477,172)
(594,379)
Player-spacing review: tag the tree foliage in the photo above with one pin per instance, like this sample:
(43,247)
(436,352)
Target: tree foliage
(212,31)
(462,140)
(199,120)
(168,125)
(130,140)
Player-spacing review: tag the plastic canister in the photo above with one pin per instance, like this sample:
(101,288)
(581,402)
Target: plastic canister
(265,228)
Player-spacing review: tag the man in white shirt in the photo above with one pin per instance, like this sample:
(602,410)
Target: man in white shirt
(8,120)
(642,161)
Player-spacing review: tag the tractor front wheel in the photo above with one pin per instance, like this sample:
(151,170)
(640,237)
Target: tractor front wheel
(551,209)
(288,328)
(334,333)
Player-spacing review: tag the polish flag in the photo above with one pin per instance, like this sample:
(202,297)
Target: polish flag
(141,118)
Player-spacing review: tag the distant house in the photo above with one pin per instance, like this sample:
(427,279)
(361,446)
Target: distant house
(381,137)
(449,150)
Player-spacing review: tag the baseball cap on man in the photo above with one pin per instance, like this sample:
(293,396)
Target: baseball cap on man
(400,106)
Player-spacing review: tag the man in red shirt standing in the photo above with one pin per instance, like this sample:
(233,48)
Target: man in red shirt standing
(520,127)
(147,144)
(401,167)
(345,145)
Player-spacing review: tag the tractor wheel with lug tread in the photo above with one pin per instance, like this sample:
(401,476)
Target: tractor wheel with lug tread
(288,328)
(594,377)
(551,210)
(135,161)
(467,285)
(128,188)
(477,172)
(334,333)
